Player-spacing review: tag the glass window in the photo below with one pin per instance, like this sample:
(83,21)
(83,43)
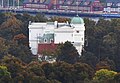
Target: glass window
(45,40)
(82,39)
(51,40)
(77,31)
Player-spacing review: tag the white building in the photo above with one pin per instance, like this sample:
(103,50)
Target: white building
(112,6)
(46,33)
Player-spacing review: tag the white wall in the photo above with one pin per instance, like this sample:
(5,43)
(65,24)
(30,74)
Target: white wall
(63,37)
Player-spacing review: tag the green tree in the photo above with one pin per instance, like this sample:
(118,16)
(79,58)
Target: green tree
(68,53)
(2,18)
(89,58)
(5,76)
(117,78)
(35,67)
(83,71)
(20,51)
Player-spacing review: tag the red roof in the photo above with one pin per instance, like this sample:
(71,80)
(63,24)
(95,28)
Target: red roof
(47,48)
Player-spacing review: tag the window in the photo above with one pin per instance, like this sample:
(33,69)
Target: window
(72,35)
(82,39)
(77,31)
(45,40)
(51,41)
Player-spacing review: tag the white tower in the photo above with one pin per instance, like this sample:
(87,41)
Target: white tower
(78,34)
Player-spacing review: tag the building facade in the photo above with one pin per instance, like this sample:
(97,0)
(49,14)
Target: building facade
(46,36)
(112,6)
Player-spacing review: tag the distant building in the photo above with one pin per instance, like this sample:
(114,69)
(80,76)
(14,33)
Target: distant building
(112,6)
(46,36)
(64,5)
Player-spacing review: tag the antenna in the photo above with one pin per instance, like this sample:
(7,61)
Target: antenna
(8,3)
(2,3)
(77,7)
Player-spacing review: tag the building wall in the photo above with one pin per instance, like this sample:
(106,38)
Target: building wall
(63,34)
(38,32)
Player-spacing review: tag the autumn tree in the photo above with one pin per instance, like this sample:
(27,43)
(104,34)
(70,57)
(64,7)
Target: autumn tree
(3,47)
(13,64)
(104,75)
(40,18)
(10,28)
(21,39)
(105,64)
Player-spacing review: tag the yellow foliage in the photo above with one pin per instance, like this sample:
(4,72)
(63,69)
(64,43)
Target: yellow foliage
(104,74)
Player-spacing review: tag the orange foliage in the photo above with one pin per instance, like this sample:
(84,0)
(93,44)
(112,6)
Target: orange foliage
(11,22)
(102,65)
(19,36)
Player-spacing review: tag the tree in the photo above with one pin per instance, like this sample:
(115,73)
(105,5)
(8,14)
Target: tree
(68,73)
(2,18)
(63,72)
(110,45)
(21,39)
(20,51)
(106,64)
(117,78)
(13,64)
(40,18)
(59,19)
(83,71)
(36,68)
(3,47)
(89,58)
(67,53)
(104,75)
(12,27)
(5,76)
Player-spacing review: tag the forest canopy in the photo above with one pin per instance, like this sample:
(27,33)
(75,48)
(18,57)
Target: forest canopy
(101,53)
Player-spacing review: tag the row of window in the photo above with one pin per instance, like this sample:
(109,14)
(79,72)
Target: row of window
(51,40)
(46,41)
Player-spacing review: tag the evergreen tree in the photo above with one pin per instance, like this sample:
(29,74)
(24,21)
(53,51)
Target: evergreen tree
(68,53)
